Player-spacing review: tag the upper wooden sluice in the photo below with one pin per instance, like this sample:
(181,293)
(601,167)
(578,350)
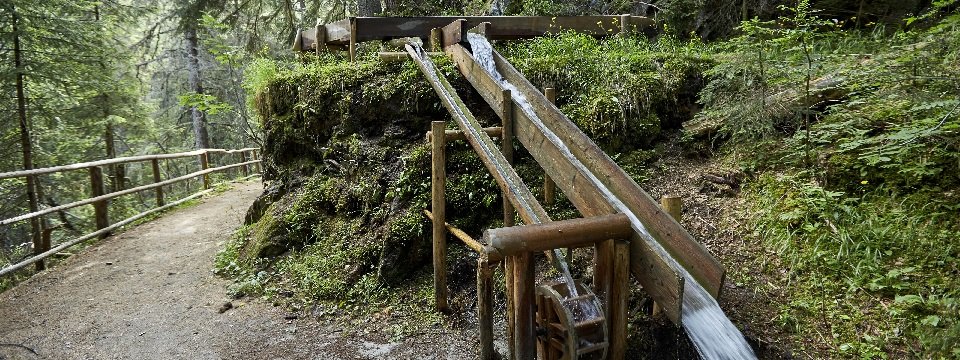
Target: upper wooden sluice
(360,29)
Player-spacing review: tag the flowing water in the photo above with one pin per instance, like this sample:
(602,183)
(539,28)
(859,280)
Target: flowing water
(714,336)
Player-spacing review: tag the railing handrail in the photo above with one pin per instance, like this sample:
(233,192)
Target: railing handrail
(112,195)
(119,160)
(99,199)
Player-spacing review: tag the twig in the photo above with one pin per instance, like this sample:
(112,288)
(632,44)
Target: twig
(20,346)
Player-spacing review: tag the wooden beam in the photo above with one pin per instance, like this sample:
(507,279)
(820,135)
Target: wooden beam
(619,294)
(525,337)
(100,208)
(155,164)
(454,135)
(549,187)
(460,234)
(514,240)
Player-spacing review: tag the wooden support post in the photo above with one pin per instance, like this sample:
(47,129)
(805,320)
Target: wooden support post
(438,207)
(485,308)
(511,295)
(673,205)
(436,39)
(524,334)
(156,178)
(619,294)
(353,39)
(624,24)
(549,187)
(204,164)
(507,147)
(243,159)
(321,38)
(100,207)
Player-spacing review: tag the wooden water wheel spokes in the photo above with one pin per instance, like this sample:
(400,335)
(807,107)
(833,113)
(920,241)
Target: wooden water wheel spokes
(570,327)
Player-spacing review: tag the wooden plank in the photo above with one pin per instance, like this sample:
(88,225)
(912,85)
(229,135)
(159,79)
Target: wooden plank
(510,294)
(438,207)
(454,33)
(549,187)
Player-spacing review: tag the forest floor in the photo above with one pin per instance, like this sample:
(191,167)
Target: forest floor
(149,293)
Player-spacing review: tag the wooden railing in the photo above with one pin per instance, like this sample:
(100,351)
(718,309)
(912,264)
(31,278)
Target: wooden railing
(100,199)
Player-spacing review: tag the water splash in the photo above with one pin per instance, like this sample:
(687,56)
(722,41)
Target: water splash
(714,336)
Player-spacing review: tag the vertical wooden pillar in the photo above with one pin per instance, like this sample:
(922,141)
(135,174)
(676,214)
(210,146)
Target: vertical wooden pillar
(619,293)
(321,38)
(438,207)
(506,108)
(436,40)
(243,159)
(156,178)
(353,39)
(524,334)
(204,164)
(673,205)
(485,308)
(100,207)
(549,187)
(624,24)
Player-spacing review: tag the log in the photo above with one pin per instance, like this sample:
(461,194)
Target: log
(515,240)
(485,308)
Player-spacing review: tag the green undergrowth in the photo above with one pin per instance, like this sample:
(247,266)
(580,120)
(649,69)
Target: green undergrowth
(621,91)
(854,188)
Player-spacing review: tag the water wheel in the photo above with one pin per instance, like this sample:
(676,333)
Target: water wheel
(570,327)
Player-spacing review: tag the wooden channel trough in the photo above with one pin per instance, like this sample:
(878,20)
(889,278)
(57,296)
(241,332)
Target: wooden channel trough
(539,320)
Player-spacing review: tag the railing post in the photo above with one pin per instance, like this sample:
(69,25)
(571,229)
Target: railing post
(549,187)
(438,207)
(485,308)
(44,247)
(257,156)
(353,39)
(100,208)
(204,164)
(156,178)
(243,159)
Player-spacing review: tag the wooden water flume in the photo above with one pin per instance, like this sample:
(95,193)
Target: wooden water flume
(630,233)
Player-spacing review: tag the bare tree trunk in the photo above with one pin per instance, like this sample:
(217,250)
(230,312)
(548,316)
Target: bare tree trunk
(193,68)
(25,143)
(368,7)
(117,171)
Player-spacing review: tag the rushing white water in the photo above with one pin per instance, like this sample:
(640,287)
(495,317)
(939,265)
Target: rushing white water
(711,331)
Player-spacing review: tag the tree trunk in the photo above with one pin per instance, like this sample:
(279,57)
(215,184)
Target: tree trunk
(368,7)
(193,68)
(25,143)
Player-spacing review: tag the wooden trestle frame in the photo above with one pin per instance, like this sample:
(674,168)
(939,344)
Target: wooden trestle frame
(620,249)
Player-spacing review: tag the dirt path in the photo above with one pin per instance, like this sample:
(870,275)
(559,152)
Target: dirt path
(149,293)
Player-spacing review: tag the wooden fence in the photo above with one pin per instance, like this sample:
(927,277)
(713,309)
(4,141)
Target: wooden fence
(248,157)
